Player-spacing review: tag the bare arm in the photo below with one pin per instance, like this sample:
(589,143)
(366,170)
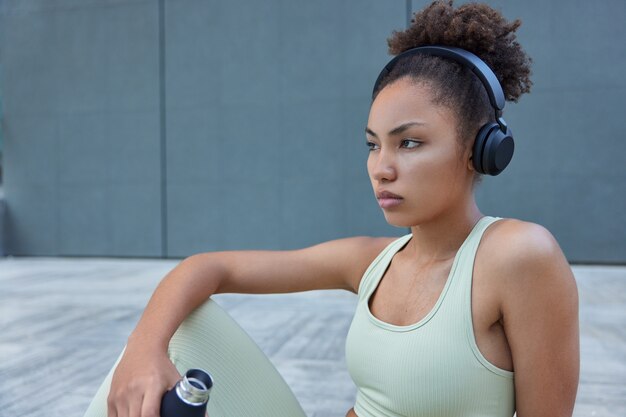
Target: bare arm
(540,315)
(145,372)
(337,264)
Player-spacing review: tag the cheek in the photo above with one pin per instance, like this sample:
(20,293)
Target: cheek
(425,169)
(433,175)
(371,167)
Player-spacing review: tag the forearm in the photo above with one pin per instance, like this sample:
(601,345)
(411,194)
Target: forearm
(183,289)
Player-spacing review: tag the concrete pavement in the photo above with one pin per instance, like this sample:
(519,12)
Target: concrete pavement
(63,321)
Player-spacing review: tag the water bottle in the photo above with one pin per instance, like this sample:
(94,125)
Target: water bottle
(189,397)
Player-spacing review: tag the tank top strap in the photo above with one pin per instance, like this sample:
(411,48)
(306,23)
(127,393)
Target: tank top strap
(465,261)
(459,302)
(380,264)
(473,240)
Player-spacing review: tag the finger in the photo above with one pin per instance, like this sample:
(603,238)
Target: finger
(111,407)
(134,407)
(124,408)
(151,406)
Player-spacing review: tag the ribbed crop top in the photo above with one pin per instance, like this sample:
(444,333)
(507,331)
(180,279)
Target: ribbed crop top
(432,368)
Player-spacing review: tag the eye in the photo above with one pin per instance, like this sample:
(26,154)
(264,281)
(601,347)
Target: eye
(410,143)
(372,146)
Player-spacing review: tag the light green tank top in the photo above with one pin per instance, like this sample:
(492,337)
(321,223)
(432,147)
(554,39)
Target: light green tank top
(432,368)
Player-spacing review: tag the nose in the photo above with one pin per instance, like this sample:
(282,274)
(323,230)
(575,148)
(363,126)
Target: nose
(381,165)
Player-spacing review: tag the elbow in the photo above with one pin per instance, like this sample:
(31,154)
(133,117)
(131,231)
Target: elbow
(203,271)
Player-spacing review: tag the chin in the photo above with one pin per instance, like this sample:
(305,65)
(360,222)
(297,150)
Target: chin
(400,220)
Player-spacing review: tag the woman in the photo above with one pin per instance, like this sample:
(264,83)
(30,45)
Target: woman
(468,314)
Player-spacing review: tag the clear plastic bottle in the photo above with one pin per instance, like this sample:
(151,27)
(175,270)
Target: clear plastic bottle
(189,397)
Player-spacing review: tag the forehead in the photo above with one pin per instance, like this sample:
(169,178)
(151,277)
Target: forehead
(405,100)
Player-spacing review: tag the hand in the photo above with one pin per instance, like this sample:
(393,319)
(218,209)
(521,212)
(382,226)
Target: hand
(139,382)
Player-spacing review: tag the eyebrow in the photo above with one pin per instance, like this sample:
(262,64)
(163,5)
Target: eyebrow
(395,130)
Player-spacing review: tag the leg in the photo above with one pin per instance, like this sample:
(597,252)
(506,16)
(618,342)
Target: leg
(246,382)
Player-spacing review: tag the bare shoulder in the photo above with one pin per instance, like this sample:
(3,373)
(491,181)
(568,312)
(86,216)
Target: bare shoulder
(356,254)
(519,238)
(523,258)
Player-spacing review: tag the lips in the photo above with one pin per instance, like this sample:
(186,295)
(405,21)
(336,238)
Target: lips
(388,199)
(386,194)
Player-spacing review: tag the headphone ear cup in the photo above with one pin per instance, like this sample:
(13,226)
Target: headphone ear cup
(479,146)
(493,149)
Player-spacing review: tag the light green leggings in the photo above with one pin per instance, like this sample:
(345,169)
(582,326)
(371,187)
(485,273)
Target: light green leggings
(246,383)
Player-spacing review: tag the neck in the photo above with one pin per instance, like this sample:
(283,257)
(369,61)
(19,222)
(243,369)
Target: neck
(439,238)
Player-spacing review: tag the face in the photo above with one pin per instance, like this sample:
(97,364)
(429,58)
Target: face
(416,165)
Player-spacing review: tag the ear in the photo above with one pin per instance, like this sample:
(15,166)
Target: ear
(470,163)
(468,155)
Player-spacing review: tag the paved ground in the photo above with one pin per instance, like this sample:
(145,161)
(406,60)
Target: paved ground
(64,320)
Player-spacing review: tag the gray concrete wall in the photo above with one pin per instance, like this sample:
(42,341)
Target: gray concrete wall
(266,105)
(165,128)
(81,106)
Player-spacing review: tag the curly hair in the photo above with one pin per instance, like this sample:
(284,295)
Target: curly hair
(476,28)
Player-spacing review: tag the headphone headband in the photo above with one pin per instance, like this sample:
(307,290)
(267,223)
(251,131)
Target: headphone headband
(467,59)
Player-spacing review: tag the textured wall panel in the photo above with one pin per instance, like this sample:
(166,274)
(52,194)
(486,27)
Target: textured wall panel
(266,107)
(262,107)
(81,118)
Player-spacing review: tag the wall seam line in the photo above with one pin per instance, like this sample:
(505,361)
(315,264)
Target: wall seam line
(162,129)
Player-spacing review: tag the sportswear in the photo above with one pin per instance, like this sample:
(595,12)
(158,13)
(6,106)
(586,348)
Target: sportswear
(432,368)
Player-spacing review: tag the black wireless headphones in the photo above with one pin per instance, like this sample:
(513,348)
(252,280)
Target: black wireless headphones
(493,146)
